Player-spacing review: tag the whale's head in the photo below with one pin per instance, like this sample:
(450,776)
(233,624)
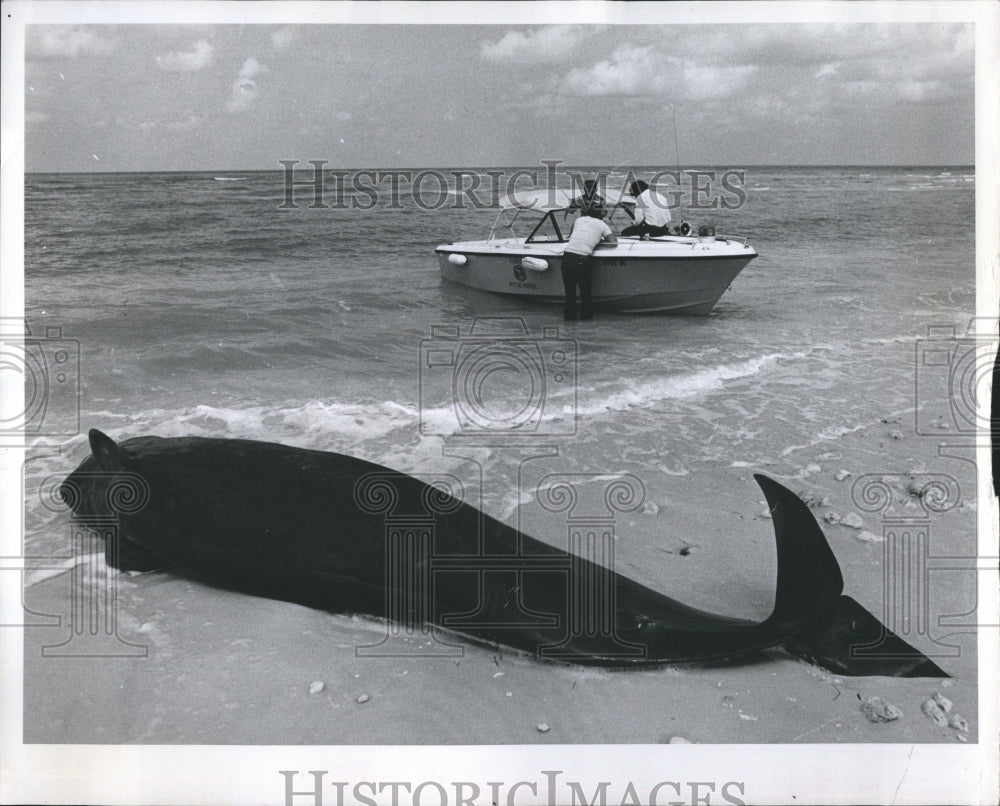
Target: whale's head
(103,493)
(106,452)
(86,490)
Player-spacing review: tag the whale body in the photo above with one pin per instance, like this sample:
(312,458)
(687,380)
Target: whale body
(300,525)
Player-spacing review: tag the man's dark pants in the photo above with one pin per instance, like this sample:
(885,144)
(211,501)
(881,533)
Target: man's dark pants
(577,271)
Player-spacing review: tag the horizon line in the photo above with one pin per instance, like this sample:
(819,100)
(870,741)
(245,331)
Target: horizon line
(561,167)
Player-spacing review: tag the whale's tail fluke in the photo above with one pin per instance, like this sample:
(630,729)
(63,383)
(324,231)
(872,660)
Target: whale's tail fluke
(849,640)
(839,634)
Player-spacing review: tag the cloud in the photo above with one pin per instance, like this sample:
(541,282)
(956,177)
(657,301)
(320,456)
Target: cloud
(920,91)
(924,64)
(630,71)
(245,90)
(187,123)
(66,40)
(187,61)
(538,45)
(643,71)
(819,66)
(703,81)
(542,105)
(283,37)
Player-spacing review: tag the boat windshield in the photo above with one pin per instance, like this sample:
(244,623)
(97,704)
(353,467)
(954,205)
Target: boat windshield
(545,215)
(547,230)
(534,226)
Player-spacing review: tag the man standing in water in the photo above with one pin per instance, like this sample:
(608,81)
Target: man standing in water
(588,230)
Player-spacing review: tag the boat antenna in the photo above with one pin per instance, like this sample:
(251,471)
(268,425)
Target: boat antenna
(677,152)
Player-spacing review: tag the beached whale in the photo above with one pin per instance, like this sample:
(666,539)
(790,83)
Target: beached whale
(344,535)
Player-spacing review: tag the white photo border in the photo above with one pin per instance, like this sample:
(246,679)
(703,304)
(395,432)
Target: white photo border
(233,774)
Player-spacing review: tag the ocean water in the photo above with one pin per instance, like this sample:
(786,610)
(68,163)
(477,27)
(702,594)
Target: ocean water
(200,307)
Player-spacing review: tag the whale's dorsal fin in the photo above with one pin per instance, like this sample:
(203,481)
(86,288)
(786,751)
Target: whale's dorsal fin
(106,451)
(809,578)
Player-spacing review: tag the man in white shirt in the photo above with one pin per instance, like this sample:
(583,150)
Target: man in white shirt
(588,230)
(652,212)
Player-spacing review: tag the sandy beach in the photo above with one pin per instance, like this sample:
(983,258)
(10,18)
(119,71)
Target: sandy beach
(223,668)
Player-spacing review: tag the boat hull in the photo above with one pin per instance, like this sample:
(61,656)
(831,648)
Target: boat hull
(681,276)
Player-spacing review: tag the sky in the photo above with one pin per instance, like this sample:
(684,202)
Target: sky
(125,97)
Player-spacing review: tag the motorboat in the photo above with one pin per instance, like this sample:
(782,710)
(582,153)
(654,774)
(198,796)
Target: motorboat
(685,272)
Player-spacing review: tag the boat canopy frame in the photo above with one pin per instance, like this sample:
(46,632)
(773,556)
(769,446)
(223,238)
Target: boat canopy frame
(546,202)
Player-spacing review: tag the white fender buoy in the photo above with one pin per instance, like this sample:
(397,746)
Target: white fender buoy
(534,263)
(457,260)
